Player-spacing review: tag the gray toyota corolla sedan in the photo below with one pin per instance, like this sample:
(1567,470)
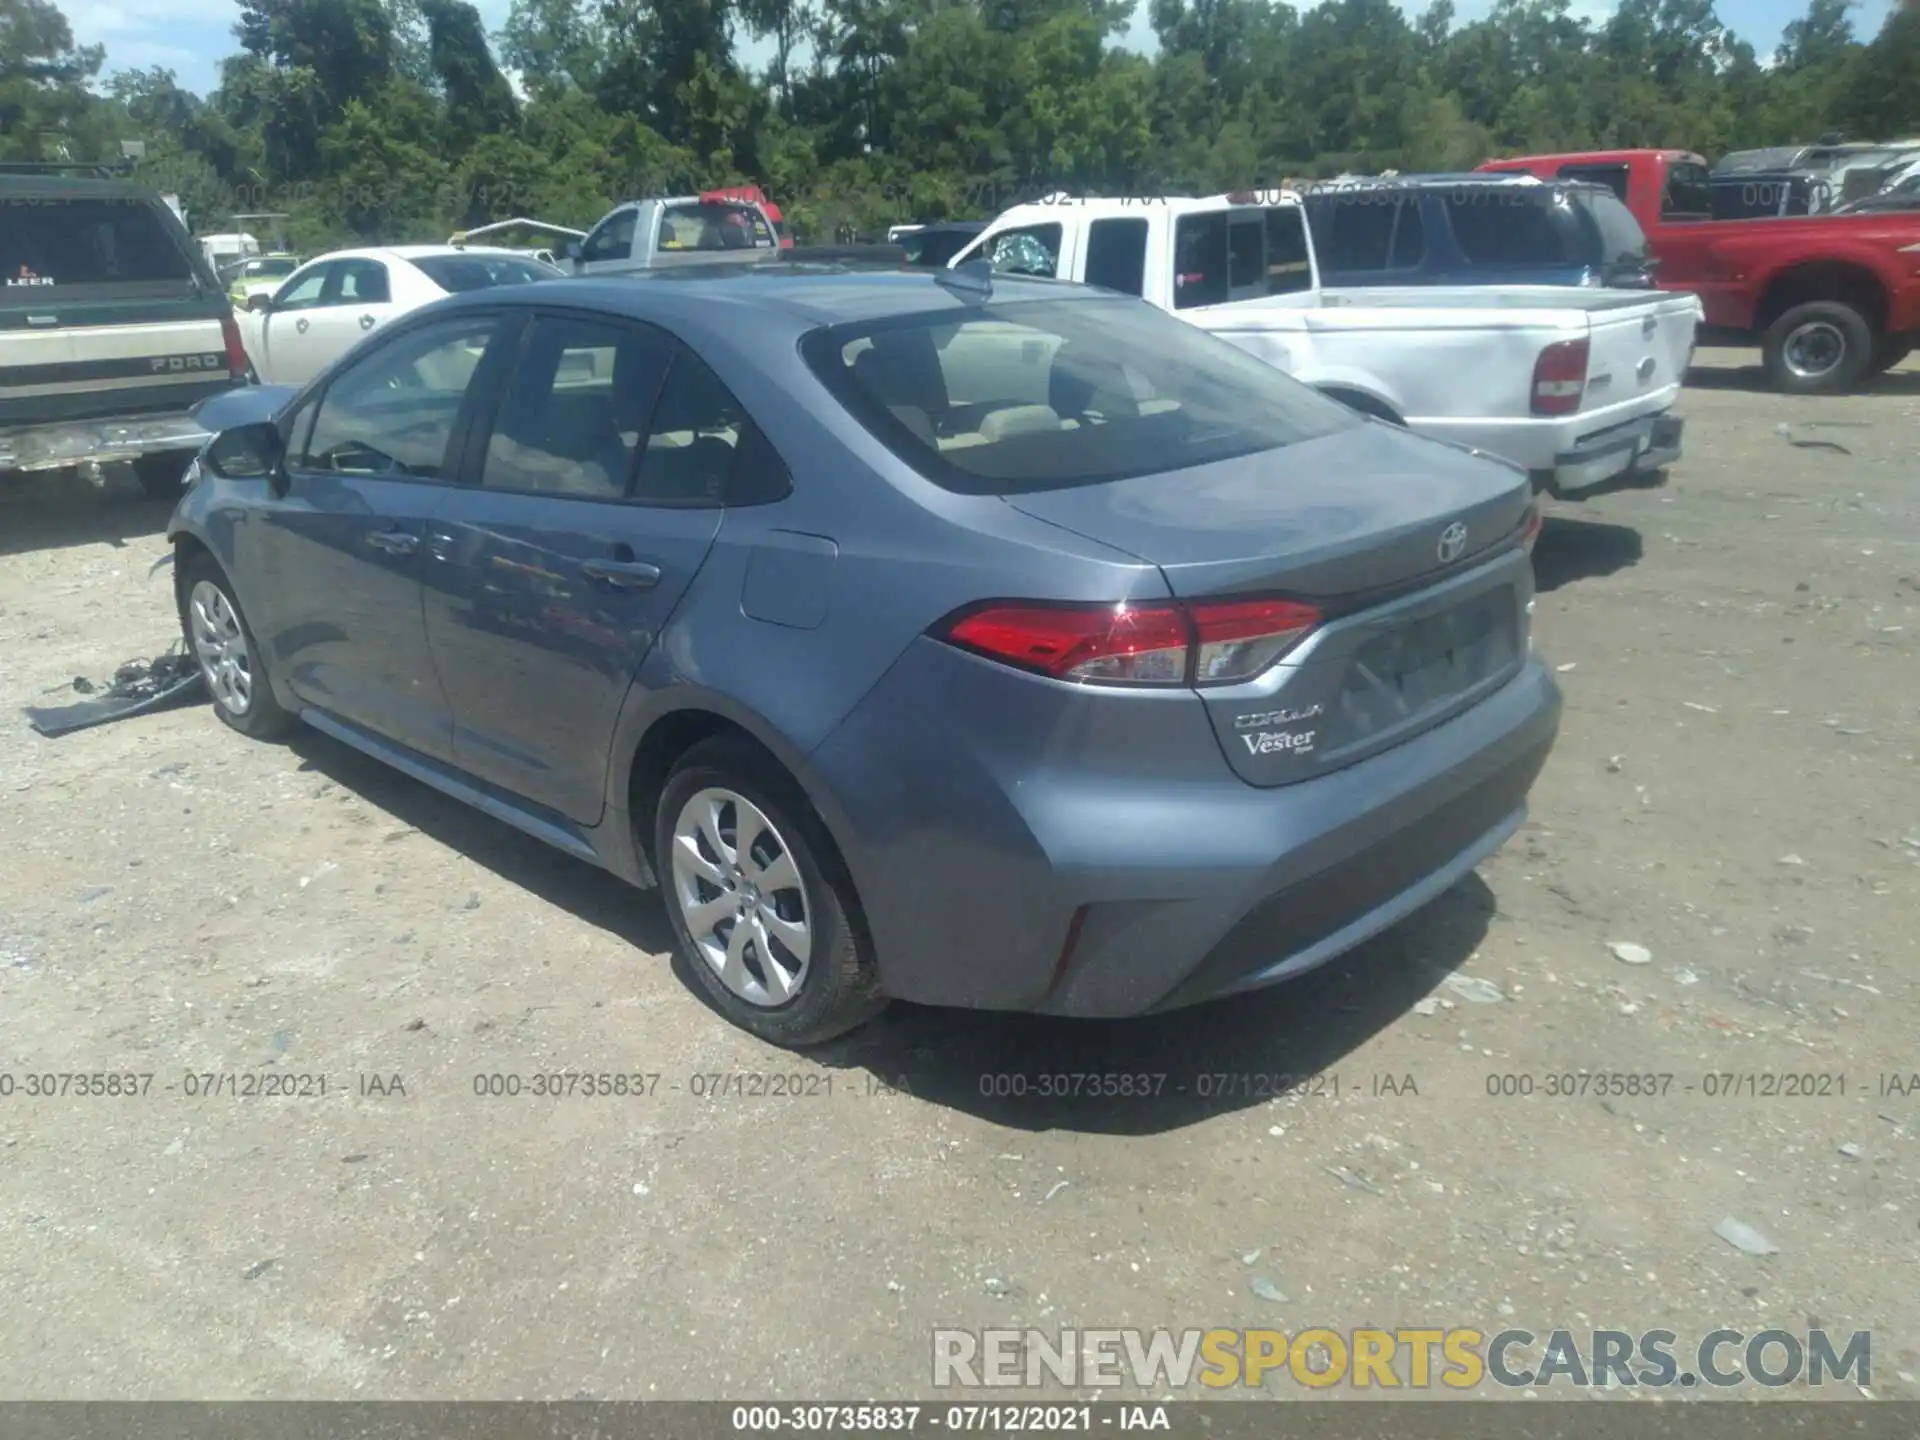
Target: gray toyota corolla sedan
(973,641)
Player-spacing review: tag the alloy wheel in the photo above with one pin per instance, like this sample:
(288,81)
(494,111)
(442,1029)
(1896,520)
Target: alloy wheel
(742,896)
(220,645)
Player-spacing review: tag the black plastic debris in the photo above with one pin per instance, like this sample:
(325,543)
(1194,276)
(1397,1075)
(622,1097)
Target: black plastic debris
(139,687)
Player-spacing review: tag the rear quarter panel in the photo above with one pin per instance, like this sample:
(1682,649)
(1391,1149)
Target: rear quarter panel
(891,554)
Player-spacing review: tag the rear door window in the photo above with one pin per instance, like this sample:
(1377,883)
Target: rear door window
(49,243)
(1117,255)
(571,416)
(361,282)
(1288,269)
(1200,260)
(693,437)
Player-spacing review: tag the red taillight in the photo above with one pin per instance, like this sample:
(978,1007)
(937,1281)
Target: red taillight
(238,367)
(1213,643)
(1560,378)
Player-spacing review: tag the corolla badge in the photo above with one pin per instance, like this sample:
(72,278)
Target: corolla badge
(1453,543)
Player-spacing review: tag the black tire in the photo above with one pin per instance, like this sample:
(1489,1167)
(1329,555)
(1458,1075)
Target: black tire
(839,989)
(262,718)
(160,475)
(1890,351)
(1821,325)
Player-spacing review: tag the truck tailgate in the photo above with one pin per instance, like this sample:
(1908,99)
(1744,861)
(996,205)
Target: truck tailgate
(1639,350)
(65,363)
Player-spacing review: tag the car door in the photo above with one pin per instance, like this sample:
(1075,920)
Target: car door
(334,563)
(277,335)
(595,491)
(363,300)
(357,299)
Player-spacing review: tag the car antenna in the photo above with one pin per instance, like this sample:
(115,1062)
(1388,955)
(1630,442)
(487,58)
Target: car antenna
(972,281)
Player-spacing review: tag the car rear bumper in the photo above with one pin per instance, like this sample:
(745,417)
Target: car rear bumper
(1086,891)
(97,442)
(1639,447)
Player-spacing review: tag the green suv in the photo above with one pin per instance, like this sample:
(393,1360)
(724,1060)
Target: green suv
(112,328)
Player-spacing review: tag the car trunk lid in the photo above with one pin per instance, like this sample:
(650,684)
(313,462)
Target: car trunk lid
(1409,548)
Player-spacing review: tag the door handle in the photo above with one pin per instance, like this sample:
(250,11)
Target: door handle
(366,322)
(440,546)
(301,325)
(394,542)
(623,574)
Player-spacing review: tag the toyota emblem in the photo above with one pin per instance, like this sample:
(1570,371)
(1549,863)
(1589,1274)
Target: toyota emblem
(1453,543)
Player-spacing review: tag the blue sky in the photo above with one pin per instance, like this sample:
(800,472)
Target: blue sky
(190,37)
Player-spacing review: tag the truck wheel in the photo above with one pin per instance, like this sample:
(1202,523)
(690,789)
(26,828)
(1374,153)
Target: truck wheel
(1891,350)
(1820,348)
(160,475)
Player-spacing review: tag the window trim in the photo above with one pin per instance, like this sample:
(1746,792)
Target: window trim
(453,458)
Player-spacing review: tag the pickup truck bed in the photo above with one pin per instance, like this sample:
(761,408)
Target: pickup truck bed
(1574,385)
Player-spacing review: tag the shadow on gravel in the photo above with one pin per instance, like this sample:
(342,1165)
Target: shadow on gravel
(557,878)
(1186,1066)
(1191,1064)
(38,512)
(1572,549)
(1904,381)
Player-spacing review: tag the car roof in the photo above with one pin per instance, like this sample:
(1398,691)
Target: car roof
(804,296)
(1107,207)
(78,187)
(415,252)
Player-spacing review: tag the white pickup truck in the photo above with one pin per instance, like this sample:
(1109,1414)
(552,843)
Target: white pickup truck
(1575,385)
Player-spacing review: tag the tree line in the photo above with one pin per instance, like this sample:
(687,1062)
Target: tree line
(391,120)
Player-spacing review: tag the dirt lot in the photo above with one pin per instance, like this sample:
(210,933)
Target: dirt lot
(1735,790)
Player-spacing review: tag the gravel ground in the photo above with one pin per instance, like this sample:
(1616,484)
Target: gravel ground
(1735,791)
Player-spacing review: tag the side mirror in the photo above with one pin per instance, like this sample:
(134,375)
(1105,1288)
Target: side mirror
(246,452)
(260,300)
(570,250)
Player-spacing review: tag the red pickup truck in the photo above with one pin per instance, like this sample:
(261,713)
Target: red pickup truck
(1830,299)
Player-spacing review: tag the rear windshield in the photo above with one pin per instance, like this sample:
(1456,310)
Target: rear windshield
(715,225)
(1540,230)
(457,273)
(1048,395)
(57,242)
